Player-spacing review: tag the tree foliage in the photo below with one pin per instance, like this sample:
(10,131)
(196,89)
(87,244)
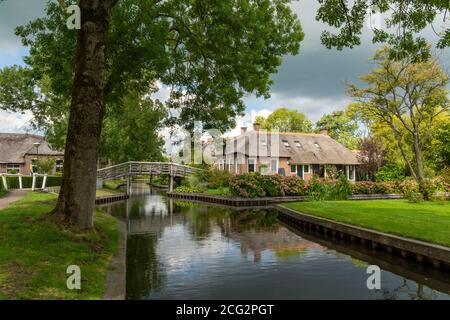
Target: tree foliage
(406,98)
(404,20)
(285,120)
(341,126)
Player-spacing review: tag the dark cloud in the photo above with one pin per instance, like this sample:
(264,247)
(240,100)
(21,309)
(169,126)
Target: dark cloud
(14,13)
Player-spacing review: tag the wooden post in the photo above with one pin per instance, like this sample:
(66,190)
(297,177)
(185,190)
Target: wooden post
(129,185)
(170,183)
(5,183)
(20,182)
(44,181)
(33,184)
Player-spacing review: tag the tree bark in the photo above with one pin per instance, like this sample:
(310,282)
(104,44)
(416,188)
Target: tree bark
(77,196)
(418,155)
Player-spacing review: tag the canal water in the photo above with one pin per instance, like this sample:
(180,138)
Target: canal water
(186,250)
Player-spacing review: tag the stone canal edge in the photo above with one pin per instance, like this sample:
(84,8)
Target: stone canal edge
(115,287)
(406,247)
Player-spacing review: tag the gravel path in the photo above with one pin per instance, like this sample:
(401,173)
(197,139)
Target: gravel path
(10,197)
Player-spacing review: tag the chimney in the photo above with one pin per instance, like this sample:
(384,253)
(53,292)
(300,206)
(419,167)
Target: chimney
(324,132)
(243,130)
(256,126)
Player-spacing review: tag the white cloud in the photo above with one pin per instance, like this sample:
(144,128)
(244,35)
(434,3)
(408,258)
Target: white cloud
(14,122)
(247,121)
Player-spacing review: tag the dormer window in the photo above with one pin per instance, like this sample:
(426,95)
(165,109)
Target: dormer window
(298,144)
(286,143)
(317,145)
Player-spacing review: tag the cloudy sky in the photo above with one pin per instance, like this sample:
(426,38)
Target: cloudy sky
(312,82)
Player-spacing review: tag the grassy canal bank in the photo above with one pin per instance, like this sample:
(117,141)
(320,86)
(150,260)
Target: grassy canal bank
(35,252)
(426,221)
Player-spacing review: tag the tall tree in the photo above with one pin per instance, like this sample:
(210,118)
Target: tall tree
(133,134)
(406,97)
(403,19)
(182,44)
(341,126)
(285,120)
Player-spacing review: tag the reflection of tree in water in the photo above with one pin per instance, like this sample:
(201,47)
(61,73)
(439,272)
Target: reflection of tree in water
(200,220)
(144,272)
(406,290)
(256,220)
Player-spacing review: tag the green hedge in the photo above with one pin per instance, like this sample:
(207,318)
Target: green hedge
(27,181)
(254,185)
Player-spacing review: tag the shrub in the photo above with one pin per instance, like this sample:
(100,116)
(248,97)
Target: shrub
(188,189)
(293,186)
(247,185)
(390,173)
(272,185)
(413,196)
(215,178)
(427,189)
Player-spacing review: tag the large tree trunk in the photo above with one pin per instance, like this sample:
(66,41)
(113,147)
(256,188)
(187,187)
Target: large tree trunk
(77,197)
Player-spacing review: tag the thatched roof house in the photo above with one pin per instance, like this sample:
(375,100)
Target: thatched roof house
(287,153)
(18,151)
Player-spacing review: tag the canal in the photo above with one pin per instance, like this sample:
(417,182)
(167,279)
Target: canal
(186,250)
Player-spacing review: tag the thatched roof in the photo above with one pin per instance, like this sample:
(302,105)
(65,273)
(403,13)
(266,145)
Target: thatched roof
(300,148)
(14,147)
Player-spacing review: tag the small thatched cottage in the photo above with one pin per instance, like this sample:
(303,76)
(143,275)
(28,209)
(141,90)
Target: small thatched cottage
(19,153)
(300,154)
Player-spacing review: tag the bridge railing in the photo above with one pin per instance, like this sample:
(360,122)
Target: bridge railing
(145,168)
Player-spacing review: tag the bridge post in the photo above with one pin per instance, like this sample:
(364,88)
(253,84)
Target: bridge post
(5,183)
(129,185)
(170,183)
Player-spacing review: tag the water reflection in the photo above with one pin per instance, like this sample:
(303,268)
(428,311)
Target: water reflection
(182,250)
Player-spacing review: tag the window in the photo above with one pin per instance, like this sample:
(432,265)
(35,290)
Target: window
(298,144)
(34,165)
(59,165)
(274,165)
(317,145)
(230,164)
(297,169)
(351,172)
(251,165)
(293,168)
(238,167)
(286,143)
(221,164)
(306,168)
(13,168)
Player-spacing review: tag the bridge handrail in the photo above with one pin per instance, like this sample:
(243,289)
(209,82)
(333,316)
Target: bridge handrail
(130,166)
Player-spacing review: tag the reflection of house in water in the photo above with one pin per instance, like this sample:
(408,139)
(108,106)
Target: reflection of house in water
(282,242)
(262,232)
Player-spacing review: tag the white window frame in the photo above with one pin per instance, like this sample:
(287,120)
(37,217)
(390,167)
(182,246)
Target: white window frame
(277,165)
(222,164)
(230,164)
(248,164)
(13,166)
(306,166)
(351,175)
(59,167)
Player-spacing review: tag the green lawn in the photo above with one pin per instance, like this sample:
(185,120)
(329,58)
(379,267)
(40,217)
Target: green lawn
(35,252)
(427,221)
(107,192)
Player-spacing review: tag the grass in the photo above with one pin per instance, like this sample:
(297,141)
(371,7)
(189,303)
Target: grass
(35,252)
(113,184)
(223,191)
(107,192)
(427,221)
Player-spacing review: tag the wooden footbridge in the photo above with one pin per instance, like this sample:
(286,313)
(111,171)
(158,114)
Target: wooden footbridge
(129,169)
